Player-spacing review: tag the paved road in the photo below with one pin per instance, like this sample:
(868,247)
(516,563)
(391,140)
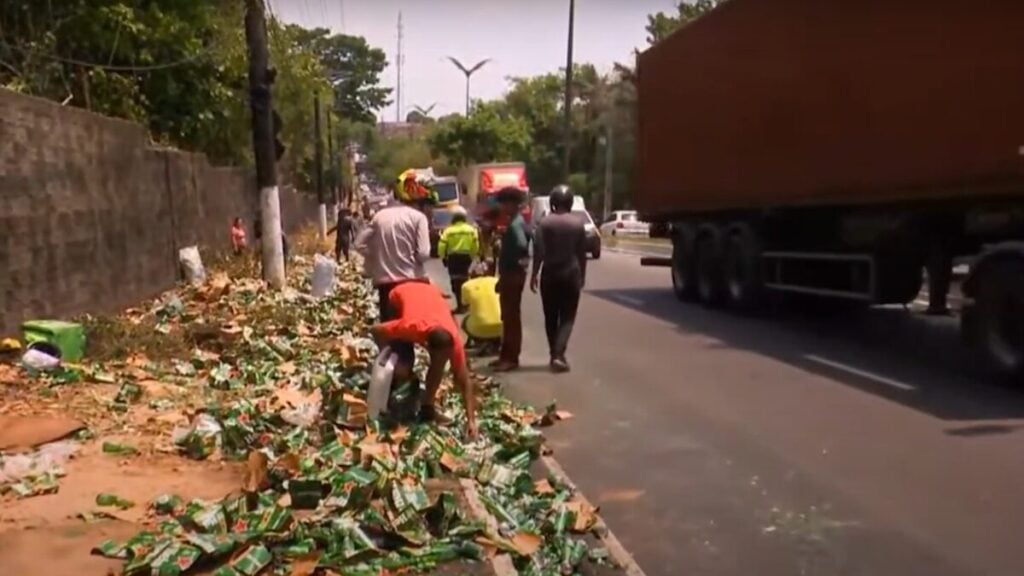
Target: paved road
(790,444)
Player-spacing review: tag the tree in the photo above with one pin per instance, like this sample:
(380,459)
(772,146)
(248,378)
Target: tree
(661,25)
(354,67)
(489,134)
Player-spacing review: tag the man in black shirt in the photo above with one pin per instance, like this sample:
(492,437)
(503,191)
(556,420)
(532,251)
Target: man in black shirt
(346,230)
(559,267)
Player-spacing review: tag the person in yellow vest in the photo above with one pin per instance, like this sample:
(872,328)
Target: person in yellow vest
(458,246)
(483,318)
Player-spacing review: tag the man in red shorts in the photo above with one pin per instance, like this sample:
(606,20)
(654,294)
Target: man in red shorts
(422,316)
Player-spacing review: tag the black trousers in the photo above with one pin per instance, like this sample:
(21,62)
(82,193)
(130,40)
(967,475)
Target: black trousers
(342,248)
(560,296)
(458,273)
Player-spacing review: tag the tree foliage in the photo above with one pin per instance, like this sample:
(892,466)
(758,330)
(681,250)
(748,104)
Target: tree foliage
(489,134)
(353,66)
(179,67)
(661,25)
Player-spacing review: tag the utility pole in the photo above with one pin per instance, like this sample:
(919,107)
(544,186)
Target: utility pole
(319,148)
(330,160)
(608,173)
(568,93)
(398,64)
(261,77)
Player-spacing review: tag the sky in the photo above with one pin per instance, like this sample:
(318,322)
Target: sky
(522,37)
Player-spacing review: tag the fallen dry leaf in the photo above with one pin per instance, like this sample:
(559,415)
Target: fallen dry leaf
(525,543)
(288,462)
(287,368)
(586,515)
(305,565)
(256,472)
(626,495)
(543,487)
(353,400)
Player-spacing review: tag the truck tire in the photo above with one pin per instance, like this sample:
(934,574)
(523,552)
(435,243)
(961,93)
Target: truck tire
(596,252)
(744,282)
(710,280)
(684,265)
(998,317)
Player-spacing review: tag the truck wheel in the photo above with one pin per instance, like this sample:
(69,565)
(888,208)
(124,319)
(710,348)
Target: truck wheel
(684,266)
(596,252)
(742,268)
(710,280)
(999,317)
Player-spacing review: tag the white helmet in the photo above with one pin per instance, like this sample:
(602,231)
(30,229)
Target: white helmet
(459,210)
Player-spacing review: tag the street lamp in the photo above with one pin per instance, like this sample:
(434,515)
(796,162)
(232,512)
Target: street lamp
(468,72)
(568,91)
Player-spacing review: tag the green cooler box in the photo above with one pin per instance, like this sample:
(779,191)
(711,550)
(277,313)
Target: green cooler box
(67,337)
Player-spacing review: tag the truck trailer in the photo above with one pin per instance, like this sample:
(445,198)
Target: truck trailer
(840,149)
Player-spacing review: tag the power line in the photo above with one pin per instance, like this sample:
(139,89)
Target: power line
(113,67)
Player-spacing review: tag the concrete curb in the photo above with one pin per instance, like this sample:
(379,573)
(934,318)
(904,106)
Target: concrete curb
(615,548)
(501,563)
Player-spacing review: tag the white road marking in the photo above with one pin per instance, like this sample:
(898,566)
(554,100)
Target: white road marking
(628,300)
(862,373)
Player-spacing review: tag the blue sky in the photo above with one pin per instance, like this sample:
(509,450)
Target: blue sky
(523,37)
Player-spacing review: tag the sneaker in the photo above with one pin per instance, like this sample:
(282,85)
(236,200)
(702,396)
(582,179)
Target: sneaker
(559,366)
(429,414)
(505,366)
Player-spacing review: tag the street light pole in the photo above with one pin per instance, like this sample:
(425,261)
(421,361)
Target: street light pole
(568,93)
(469,73)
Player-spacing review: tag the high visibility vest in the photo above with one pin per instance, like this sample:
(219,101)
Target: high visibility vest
(461,238)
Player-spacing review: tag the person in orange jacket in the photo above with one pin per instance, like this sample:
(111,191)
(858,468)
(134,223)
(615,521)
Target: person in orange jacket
(422,316)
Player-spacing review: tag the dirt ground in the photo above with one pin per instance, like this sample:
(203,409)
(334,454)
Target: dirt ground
(45,535)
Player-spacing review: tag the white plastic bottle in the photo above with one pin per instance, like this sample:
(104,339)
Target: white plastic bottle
(380,382)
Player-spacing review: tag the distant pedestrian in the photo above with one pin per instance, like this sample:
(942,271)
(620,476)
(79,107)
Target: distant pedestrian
(560,268)
(346,233)
(395,245)
(238,239)
(458,246)
(513,260)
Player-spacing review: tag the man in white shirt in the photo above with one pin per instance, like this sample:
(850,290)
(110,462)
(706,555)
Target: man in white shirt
(395,245)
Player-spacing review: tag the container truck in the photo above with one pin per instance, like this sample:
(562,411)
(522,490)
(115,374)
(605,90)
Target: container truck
(839,149)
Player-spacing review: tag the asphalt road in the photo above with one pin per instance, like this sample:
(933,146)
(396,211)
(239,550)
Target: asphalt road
(796,443)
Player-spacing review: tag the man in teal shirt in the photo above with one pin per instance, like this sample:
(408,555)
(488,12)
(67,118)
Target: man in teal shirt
(512,263)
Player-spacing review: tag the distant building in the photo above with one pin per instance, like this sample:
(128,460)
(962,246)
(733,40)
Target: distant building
(407,129)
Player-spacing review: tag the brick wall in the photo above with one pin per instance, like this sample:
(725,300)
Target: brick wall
(92,215)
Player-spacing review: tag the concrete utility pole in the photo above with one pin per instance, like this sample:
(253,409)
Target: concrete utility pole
(398,66)
(568,93)
(608,173)
(330,160)
(261,77)
(469,73)
(319,147)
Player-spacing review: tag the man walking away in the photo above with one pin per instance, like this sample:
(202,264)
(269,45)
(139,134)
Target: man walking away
(346,232)
(459,244)
(395,245)
(560,262)
(512,262)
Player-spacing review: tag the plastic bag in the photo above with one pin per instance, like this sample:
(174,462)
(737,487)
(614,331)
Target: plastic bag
(38,360)
(324,270)
(192,265)
(380,382)
(48,458)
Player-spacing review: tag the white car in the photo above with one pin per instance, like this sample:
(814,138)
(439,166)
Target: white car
(625,223)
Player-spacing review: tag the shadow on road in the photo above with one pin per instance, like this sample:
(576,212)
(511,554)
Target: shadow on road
(907,358)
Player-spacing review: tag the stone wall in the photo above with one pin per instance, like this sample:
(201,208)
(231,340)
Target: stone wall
(92,215)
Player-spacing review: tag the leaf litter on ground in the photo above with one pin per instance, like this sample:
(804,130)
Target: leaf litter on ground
(279,380)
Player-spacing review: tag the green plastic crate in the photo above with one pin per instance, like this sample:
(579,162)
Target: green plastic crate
(67,337)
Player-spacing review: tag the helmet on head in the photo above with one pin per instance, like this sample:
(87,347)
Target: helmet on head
(413,188)
(459,214)
(561,197)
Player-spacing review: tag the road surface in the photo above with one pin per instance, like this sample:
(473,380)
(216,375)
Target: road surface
(791,444)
